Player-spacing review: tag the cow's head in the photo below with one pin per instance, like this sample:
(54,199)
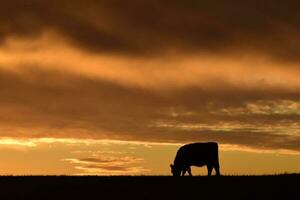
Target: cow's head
(175,170)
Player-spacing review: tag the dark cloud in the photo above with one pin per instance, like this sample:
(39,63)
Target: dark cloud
(37,103)
(153,27)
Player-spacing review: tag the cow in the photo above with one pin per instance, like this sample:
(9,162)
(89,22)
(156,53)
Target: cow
(196,154)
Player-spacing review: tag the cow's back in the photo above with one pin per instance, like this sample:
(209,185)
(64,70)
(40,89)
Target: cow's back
(197,154)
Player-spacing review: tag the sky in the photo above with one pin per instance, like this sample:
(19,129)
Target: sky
(115,87)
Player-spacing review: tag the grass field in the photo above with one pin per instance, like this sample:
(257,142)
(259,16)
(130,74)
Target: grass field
(150,187)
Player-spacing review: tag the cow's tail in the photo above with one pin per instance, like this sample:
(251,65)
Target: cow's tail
(217,164)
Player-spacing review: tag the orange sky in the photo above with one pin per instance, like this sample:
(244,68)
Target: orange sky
(116,88)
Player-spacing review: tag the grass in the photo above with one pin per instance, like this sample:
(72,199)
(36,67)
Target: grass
(283,186)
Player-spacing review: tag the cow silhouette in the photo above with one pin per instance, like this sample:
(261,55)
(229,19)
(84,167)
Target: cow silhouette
(196,154)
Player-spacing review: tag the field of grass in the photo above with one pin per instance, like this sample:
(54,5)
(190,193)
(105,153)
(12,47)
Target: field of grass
(150,187)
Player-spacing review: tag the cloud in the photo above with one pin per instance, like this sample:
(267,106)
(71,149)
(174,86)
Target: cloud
(151,71)
(119,170)
(208,72)
(80,107)
(155,27)
(110,160)
(106,165)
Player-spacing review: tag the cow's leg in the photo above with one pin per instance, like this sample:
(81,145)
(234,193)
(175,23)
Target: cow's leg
(209,170)
(217,169)
(183,172)
(190,171)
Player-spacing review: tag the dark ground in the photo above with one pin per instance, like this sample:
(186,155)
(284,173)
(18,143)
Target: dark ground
(150,187)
